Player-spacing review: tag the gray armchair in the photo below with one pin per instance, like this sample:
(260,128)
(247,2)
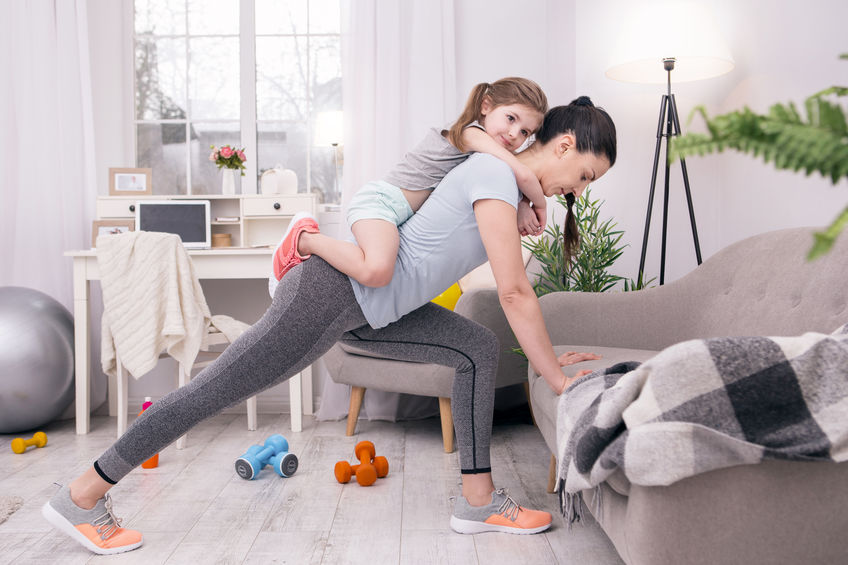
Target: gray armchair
(362,370)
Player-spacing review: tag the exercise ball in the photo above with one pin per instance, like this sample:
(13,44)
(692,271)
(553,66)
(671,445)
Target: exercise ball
(36,359)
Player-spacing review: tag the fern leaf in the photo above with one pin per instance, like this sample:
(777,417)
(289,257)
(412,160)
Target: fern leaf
(824,240)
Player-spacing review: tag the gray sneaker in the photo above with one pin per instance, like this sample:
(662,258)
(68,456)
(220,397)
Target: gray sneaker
(503,514)
(97,530)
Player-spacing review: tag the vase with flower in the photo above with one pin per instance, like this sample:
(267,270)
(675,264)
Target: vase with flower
(229,160)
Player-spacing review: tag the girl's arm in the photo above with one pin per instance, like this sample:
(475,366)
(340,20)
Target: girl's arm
(496,220)
(478,140)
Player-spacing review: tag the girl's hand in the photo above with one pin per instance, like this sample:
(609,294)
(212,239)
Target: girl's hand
(527,221)
(541,213)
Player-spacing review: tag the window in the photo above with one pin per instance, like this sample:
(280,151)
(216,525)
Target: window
(258,74)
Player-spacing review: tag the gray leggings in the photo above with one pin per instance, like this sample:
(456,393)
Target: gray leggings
(313,308)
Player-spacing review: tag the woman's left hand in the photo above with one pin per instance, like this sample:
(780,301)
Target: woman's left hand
(572,357)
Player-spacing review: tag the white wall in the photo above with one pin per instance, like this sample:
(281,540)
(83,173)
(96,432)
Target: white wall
(533,39)
(784,51)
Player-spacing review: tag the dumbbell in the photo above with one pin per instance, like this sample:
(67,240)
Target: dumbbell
(370,468)
(19,445)
(275,452)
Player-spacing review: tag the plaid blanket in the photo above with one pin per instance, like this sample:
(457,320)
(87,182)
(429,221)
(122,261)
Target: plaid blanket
(701,405)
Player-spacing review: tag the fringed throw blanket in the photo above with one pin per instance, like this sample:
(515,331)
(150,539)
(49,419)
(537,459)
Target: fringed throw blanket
(702,405)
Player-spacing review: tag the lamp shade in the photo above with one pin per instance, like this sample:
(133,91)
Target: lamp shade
(685,31)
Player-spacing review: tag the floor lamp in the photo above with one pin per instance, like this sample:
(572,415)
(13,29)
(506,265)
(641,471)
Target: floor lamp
(661,38)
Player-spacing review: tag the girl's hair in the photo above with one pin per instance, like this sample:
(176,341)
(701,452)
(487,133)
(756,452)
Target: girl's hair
(503,92)
(594,131)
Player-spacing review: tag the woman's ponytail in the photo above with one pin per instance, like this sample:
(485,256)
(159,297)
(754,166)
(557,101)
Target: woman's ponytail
(571,235)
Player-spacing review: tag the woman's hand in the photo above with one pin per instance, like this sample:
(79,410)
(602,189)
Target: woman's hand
(567,381)
(572,357)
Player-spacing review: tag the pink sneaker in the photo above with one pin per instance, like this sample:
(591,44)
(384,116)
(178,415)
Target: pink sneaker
(286,256)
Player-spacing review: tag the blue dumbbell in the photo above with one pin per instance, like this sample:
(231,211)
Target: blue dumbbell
(275,452)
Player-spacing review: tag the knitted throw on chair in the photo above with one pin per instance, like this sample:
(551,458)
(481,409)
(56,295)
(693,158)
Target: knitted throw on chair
(701,405)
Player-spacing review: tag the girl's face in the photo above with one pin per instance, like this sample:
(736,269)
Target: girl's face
(510,125)
(567,170)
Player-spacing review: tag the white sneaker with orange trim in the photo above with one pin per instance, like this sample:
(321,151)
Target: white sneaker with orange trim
(503,514)
(98,529)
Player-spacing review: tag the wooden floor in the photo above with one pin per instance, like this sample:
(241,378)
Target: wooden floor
(194,509)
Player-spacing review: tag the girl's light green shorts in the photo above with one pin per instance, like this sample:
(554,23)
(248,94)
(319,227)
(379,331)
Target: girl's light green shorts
(379,200)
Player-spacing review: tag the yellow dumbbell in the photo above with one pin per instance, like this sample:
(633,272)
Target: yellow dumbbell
(19,445)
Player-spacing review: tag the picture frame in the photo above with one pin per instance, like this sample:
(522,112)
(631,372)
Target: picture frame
(130,182)
(102,227)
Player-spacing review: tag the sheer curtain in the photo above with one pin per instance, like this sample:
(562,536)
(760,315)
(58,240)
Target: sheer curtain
(47,184)
(399,68)
(47,146)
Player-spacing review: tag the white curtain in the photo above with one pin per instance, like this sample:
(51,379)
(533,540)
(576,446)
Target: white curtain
(399,69)
(47,185)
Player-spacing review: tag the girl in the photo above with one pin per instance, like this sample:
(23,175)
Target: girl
(498,118)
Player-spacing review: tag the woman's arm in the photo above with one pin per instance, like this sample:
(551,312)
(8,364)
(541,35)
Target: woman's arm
(497,220)
(478,140)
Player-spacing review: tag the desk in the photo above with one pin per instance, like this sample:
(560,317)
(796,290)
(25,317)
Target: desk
(230,263)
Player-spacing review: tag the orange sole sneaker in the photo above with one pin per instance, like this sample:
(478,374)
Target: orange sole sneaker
(98,530)
(503,514)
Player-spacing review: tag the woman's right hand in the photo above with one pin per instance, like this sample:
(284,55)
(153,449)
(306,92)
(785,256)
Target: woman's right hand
(567,381)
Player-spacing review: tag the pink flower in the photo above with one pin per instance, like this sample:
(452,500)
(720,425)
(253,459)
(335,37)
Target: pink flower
(241,155)
(226,152)
(213,156)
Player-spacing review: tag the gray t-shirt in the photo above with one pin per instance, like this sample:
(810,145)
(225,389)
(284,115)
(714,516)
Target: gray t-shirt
(441,242)
(428,162)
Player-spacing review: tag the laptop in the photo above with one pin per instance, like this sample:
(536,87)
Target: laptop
(189,219)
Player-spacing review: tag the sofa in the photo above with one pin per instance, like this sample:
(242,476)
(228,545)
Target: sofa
(775,512)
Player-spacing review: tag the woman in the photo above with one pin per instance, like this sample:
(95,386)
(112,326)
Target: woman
(469,218)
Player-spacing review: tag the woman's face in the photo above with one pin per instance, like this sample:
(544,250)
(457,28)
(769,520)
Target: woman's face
(567,170)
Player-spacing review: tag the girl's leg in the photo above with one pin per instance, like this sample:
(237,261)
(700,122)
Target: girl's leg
(371,260)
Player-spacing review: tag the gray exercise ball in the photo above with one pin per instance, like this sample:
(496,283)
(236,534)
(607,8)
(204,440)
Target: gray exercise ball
(36,359)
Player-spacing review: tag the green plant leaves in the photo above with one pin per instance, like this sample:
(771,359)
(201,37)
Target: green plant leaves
(599,249)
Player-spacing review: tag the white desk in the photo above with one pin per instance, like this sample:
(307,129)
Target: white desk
(229,263)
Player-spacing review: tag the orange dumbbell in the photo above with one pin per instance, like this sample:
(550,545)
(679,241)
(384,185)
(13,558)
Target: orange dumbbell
(370,468)
(19,445)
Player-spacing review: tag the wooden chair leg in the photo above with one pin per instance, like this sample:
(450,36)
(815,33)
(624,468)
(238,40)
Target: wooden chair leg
(447,423)
(529,404)
(552,474)
(357,393)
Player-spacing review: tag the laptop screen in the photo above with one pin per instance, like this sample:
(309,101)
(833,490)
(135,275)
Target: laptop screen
(189,219)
